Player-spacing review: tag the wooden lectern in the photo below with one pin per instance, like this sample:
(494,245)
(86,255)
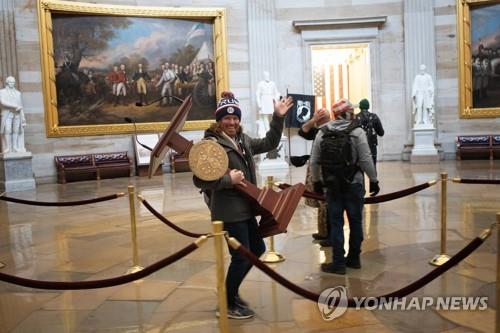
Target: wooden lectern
(276,208)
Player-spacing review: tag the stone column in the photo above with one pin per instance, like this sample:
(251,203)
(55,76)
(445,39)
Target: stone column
(16,172)
(419,49)
(8,53)
(263,57)
(262,43)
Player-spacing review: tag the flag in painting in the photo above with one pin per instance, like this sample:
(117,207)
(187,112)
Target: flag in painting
(301,111)
(198,30)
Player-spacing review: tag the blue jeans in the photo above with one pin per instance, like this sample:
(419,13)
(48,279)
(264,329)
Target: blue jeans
(246,233)
(352,202)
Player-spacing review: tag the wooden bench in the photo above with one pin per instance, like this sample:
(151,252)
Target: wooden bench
(478,147)
(92,166)
(113,165)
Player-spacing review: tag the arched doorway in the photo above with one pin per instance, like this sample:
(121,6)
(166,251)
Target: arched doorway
(340,71)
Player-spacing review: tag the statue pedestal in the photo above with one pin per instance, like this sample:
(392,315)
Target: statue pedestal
(275,159)
(424,150)
(16,173)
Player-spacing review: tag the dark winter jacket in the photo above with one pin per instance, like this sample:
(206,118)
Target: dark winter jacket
(366,118)
(226,203)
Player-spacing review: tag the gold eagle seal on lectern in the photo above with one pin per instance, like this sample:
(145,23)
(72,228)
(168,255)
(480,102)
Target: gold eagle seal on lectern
(208,160)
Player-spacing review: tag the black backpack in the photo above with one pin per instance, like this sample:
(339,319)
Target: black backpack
(336,160)
(366,122)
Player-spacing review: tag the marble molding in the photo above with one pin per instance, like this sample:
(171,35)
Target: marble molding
(424,150)
(279,162)
(16,173)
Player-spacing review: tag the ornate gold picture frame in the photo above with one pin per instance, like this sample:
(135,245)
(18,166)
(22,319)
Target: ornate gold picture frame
(479,58)
(102,64)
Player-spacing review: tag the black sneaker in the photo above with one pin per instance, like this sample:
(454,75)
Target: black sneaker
(319,237)
(330,268)
(325,243)
(241,302)
(237,312)
(353,262)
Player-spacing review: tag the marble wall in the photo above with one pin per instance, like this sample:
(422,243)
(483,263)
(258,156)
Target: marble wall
(447,103)
(27,38)
(388,86)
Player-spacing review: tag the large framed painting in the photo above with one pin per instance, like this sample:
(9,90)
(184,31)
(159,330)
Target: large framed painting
(104,63)
(479,58)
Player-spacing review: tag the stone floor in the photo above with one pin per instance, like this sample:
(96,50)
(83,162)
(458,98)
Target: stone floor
(94,242)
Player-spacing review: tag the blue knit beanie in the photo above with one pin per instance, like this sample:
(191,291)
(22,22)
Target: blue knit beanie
(228,105)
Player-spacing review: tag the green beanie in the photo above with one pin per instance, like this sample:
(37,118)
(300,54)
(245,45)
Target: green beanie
(364,104)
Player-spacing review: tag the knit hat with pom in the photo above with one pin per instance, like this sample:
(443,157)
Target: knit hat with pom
(228,105)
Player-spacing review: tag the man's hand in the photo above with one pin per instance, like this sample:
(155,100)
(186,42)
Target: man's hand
(282,106)
(321,117)
(319,114)
(318,187)
(237,177)
(374,189)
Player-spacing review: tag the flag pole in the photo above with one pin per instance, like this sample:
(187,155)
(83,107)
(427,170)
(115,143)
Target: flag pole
(289,139)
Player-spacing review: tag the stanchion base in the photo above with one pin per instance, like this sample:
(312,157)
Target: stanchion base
(2,265)
(272,257)
(134,269)
(439,259)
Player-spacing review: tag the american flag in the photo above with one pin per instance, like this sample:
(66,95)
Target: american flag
(318,81)
(319,86)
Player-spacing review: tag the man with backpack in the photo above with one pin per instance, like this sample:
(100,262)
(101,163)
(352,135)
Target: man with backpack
(340,155)
(372,125)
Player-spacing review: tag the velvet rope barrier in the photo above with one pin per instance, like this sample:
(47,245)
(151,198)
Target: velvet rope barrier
(104,283)
(61,203)
(468,249)
(166,221)
(477,181)
(371,200)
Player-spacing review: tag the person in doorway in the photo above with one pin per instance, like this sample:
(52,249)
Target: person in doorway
(226,203)
(372,125)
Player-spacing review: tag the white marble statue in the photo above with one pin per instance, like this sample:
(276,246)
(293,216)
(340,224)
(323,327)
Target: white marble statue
(13,120)
(423,98)
(266,93)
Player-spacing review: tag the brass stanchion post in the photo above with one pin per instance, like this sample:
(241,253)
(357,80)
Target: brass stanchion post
(498,273)
(217,229)
(272,256)
(135,251)
(441,258)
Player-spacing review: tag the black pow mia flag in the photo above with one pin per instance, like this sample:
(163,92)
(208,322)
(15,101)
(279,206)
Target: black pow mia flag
(301,111)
